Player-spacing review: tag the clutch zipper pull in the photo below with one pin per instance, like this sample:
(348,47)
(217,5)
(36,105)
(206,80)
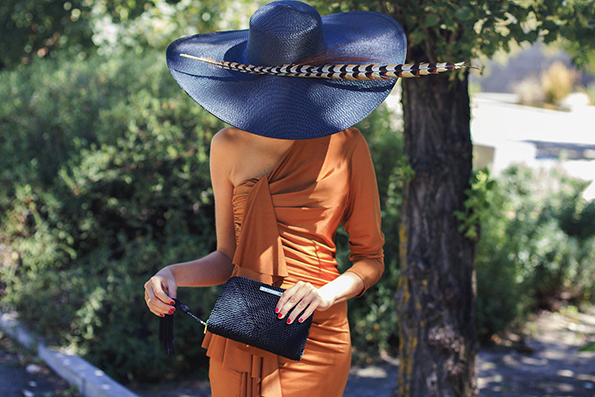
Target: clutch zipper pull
(182,307)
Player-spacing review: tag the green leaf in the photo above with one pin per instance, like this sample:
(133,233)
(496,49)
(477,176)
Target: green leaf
(464,14)
(588,348)
(431,20)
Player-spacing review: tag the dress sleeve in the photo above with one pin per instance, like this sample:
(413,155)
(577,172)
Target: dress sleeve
(361,218)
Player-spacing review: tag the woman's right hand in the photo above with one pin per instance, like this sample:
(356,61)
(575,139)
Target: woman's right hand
(159,291)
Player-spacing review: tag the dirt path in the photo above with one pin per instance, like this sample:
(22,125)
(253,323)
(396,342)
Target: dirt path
(551,365)
(542,361)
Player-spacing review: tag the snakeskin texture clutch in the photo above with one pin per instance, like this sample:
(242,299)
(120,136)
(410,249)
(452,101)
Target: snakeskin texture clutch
(245,312)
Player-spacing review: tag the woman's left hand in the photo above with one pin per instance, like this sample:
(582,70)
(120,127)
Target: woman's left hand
(301,300)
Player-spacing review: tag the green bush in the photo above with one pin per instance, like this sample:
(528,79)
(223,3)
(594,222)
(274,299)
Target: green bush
(103,180)
(500,299)
(536,248)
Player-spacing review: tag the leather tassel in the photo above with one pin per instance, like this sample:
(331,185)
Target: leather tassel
(166,333)
(166,327)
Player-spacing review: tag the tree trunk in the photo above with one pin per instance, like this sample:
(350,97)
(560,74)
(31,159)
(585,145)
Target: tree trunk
(436,294)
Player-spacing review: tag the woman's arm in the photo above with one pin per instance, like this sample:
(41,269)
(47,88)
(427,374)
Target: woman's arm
(212,269)
(305,296)
(362,221)
(216,267)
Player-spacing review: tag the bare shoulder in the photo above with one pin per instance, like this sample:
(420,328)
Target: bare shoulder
(228,140)
(228,146)
(241,155)
(225,150)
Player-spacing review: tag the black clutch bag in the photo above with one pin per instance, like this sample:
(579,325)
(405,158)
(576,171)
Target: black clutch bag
(245,312)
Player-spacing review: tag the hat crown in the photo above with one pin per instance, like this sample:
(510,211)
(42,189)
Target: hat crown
(284,32)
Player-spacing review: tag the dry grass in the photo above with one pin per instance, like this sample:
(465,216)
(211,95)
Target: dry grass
(550,88)
(557,82)
(530,92)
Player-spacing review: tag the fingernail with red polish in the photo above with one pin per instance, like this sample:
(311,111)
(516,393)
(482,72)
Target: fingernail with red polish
(172,303)
(288,321)
(301,320)
(172,310)
(280,315)
(277,310)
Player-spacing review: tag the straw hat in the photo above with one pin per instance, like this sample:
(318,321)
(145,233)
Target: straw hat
(291,33)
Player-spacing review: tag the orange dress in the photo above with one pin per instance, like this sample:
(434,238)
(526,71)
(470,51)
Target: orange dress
(285,227)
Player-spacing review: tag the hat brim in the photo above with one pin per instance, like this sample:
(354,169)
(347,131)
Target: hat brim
(290,107)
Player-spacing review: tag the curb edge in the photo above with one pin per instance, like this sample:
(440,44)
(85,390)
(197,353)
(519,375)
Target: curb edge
(90,380)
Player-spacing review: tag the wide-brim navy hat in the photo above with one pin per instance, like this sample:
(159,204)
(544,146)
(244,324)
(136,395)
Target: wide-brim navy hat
(281,33)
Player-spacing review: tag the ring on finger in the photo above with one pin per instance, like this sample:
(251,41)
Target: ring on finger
(149,301)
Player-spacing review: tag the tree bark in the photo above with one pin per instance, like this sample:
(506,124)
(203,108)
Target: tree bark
(436,293)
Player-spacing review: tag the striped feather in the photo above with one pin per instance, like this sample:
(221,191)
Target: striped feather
(340,71)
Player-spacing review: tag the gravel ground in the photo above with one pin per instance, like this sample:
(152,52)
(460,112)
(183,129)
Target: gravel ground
(24,375)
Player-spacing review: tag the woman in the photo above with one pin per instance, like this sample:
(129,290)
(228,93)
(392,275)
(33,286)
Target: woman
(289,171)
(243,164)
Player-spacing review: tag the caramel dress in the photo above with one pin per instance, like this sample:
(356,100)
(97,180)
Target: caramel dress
(285,227)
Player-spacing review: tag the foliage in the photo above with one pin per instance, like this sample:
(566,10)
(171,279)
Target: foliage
(533,252)
(32,28)
(476,204)
(74,29)
(104,179)
(576,218)
(160,23)
(574,23)
(500,299)
(444,30)
(589,347)
(439,30)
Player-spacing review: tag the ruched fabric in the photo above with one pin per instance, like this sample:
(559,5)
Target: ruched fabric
(285,227)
